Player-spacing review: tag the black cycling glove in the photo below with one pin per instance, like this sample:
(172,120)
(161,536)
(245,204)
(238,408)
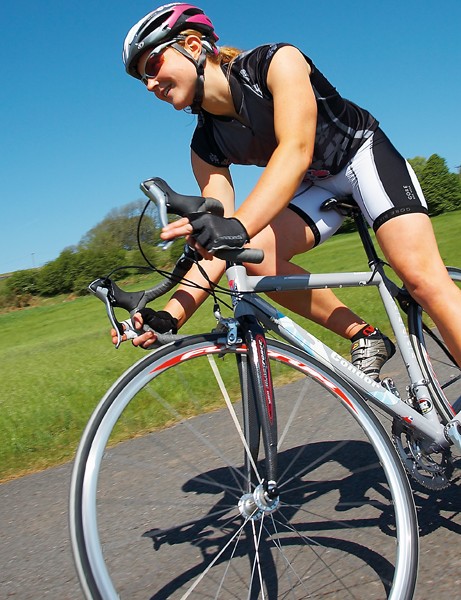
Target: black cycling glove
(218,233)
(159,320)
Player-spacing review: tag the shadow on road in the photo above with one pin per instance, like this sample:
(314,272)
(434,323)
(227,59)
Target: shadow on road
(307,517)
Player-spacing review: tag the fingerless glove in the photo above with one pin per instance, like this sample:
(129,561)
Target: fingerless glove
(218,233)
(159,320)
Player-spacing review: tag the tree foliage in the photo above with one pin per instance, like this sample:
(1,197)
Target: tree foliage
(418,163)
(120,229)
(441,188)
(20,288)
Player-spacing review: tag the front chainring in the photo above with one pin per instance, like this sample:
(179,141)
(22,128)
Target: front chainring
(433,470)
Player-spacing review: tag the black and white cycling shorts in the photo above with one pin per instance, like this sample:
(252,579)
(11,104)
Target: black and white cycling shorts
(380,180)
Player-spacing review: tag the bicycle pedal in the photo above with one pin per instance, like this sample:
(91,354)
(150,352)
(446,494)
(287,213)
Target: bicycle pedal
(389,384)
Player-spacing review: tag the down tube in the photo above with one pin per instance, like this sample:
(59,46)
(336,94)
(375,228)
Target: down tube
(391,404)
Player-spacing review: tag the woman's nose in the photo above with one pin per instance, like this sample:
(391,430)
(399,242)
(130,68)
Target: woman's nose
(152,83)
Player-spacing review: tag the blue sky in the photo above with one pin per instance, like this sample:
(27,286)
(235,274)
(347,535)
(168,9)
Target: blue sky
(77,135)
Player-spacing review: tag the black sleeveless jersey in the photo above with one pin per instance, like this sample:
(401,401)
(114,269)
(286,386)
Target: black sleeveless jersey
(342,126)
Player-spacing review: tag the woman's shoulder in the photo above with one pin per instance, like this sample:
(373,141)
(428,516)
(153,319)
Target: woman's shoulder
(263,51)
(259,58)
(251,66)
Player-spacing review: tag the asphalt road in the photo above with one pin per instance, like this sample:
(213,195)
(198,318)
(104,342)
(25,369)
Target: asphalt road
(36,561)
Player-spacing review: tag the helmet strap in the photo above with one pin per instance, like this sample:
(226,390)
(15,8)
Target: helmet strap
(200,83)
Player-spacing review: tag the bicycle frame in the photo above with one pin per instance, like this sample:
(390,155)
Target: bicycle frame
(247,304)
(246,288)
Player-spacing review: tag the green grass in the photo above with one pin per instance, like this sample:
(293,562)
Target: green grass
(57,360)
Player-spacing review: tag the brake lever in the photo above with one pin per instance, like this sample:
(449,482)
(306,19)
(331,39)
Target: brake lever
(158,196)
(101,289)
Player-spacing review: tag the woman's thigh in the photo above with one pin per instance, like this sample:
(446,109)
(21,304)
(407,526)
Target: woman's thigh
(383,183)
(307,205)
(287,236)
(297,229)
(409,244)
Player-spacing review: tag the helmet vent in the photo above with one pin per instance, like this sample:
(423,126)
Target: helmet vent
(153,25)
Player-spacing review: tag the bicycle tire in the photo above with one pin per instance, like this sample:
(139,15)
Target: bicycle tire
(346,524)
(438,366)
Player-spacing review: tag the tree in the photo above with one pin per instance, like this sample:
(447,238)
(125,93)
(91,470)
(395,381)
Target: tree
(23,283)
(119,229)
(441,188)
(57,276)
(91,264)
(418,163)
(75,268)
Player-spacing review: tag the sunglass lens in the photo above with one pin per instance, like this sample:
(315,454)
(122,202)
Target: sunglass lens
(153,64)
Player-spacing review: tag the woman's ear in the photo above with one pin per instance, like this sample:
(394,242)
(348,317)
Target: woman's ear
(193,44)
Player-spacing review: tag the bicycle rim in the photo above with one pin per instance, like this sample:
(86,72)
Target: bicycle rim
(158,516)
(439,368)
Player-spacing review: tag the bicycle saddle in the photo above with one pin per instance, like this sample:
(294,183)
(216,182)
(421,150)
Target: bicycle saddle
(344,205)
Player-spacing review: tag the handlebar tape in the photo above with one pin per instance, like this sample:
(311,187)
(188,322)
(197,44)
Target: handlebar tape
(249,255)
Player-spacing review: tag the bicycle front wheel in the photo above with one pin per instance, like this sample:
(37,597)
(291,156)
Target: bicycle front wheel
(438,366)
(160,516)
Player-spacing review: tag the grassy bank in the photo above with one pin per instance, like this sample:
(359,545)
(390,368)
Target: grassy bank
(57,360)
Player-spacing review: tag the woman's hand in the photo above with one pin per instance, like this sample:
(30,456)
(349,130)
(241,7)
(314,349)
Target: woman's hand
(207,233)
(179,228)
(145,340)
(218,233)
(159,321)
(183,228)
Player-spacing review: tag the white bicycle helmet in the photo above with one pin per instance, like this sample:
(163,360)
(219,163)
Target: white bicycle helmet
(161,28)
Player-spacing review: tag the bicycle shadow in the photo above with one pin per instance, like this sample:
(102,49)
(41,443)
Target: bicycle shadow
(356,485)
(431,504)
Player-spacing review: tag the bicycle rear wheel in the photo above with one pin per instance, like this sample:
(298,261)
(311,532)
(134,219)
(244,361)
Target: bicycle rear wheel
(437,364)
(158,516)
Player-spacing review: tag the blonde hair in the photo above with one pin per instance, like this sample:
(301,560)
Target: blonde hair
(225,55)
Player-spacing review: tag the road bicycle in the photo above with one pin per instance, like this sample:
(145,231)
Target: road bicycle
(269,466)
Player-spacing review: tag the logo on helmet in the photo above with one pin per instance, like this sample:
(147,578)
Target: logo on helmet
(139,45)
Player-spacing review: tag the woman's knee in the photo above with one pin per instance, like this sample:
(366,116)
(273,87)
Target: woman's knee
(409,244)
(418,283)
(428,286)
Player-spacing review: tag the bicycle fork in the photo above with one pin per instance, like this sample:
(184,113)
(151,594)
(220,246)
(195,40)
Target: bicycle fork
(260,418)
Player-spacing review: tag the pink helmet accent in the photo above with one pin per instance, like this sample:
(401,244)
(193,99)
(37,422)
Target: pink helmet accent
(201,19)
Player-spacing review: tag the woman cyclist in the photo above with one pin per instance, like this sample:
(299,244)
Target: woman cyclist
(273,108)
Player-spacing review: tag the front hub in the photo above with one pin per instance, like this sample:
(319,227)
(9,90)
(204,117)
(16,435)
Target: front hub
(254,506)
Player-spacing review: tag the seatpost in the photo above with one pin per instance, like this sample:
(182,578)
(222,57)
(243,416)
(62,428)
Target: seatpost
(362,228)
(347,207)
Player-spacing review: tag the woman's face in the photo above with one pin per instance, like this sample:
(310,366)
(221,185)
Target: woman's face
(175,80)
